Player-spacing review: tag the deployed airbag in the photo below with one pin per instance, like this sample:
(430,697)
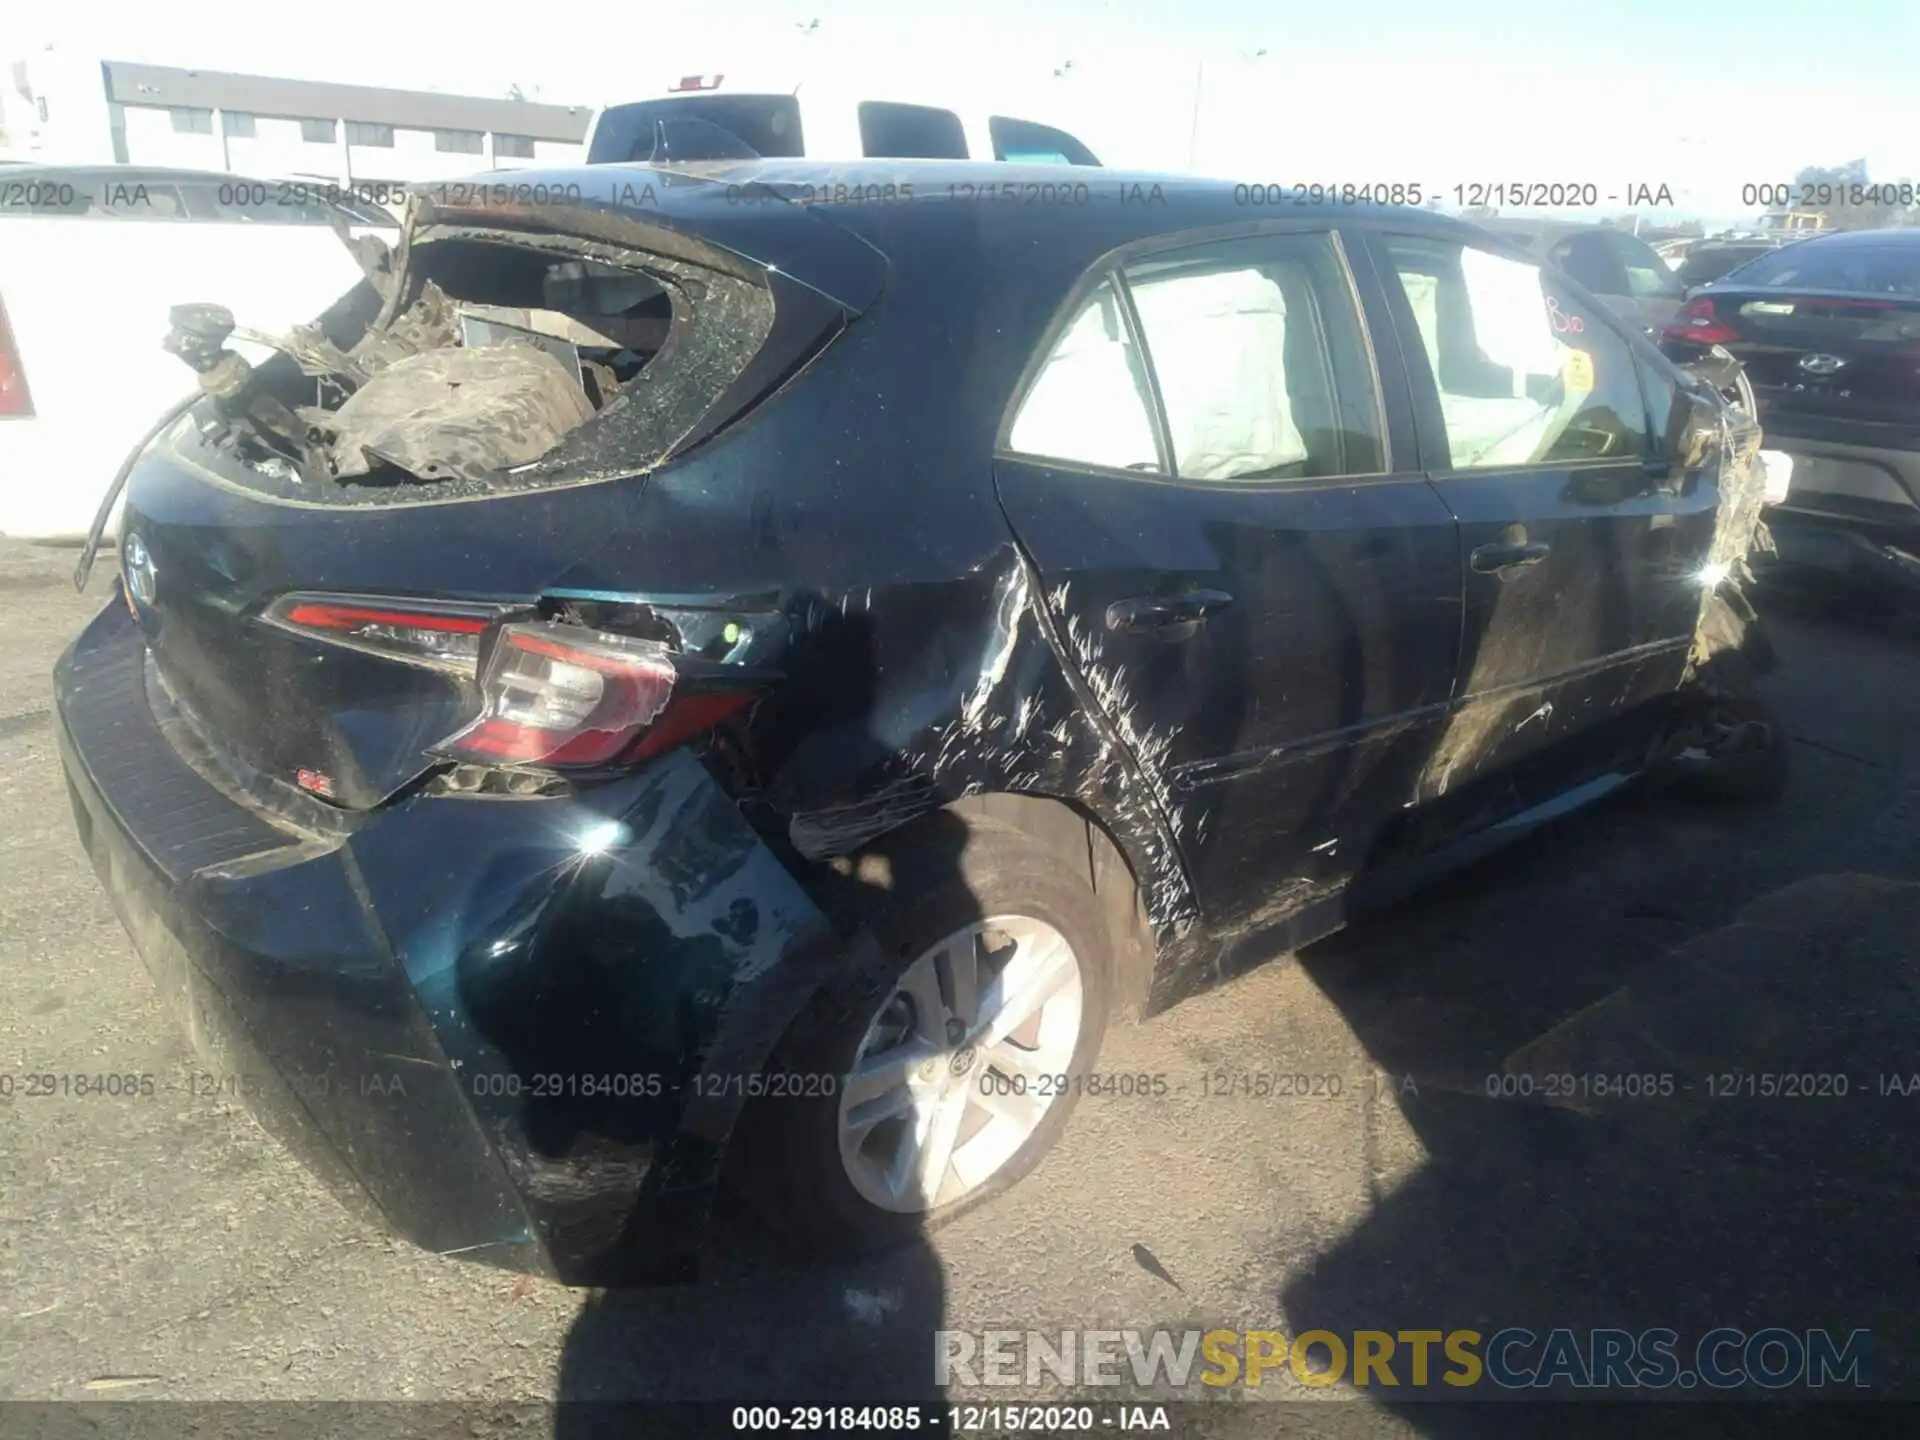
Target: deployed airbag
(1219,343)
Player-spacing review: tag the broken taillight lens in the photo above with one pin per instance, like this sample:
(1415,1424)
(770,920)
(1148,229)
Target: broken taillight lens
(563,696)
(15,400)
(1700,324)
(443,635)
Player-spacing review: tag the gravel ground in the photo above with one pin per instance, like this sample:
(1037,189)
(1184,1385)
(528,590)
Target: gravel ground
(164,1248)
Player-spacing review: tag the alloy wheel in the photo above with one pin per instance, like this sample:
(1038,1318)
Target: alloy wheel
(961,1063)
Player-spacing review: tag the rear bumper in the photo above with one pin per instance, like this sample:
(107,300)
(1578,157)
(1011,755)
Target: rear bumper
(503,1046)
(1853,511)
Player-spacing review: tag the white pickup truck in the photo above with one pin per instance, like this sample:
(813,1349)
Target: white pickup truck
(91,260)
(781,117)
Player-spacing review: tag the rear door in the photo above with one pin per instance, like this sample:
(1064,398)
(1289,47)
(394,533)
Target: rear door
(1581,540)
(1240,554)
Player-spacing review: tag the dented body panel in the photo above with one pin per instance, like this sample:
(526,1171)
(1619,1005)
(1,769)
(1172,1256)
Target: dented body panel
(935,616)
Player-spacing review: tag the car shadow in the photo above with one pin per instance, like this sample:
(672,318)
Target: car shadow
(765,1323)
(1746,1174)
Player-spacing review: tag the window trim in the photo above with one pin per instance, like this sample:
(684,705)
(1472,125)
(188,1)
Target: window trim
(1156,401)
(1084,289)
(1114,265)
(1435,444)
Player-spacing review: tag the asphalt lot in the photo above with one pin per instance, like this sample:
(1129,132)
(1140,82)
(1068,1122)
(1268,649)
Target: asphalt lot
(164,1248)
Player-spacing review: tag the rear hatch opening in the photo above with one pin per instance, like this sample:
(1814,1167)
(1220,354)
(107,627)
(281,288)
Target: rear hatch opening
(477,360)
(309,620)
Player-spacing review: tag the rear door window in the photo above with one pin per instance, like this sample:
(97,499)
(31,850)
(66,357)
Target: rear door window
(1089,403)
(890,131)
(1260,360)
(1525,373)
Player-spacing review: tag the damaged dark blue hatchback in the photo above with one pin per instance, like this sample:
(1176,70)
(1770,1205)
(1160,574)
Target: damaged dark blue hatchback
(671,683)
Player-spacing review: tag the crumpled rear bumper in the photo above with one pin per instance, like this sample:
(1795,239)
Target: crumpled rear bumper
(500,1043)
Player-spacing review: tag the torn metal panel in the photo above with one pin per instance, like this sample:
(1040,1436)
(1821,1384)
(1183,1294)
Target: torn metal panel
(976,702)
(1732,446)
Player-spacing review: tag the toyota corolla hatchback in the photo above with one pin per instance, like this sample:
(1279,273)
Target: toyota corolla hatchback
(670,683)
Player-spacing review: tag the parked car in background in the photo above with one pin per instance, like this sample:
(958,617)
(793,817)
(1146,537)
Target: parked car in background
(1720,255)
(1798,222)
(1828,329)
(775,754)
(1623,270)
(788,120)
(1627,275)
(91,259)
(1673,252)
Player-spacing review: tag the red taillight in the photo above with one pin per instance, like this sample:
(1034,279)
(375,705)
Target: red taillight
(16,402)
(447,635)
(697,82)
(564,696)
(1700,324)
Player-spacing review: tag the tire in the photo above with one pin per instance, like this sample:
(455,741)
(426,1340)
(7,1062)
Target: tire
(947,874)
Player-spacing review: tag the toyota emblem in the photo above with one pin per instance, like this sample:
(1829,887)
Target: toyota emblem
(139,569)
(1821,364)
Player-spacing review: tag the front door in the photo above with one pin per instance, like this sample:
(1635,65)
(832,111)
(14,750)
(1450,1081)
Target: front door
(1583,540)
(1241,555)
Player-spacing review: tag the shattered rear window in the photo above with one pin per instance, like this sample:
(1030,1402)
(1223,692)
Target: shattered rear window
(511,364)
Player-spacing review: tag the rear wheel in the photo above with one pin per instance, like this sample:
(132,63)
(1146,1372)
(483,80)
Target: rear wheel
(956,1050)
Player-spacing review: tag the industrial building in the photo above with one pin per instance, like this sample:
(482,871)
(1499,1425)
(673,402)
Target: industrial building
(60,109)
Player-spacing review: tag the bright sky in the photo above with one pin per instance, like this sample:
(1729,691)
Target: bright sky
(1699,95)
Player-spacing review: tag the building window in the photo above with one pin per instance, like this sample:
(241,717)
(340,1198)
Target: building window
(317,132)
(458,142)
(359,132)
(237,124)
(513,147)
(191,122)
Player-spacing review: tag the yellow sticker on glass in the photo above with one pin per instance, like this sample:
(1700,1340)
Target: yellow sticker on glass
(1578,371)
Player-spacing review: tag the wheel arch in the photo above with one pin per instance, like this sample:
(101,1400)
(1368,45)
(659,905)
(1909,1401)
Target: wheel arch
(1081,840)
